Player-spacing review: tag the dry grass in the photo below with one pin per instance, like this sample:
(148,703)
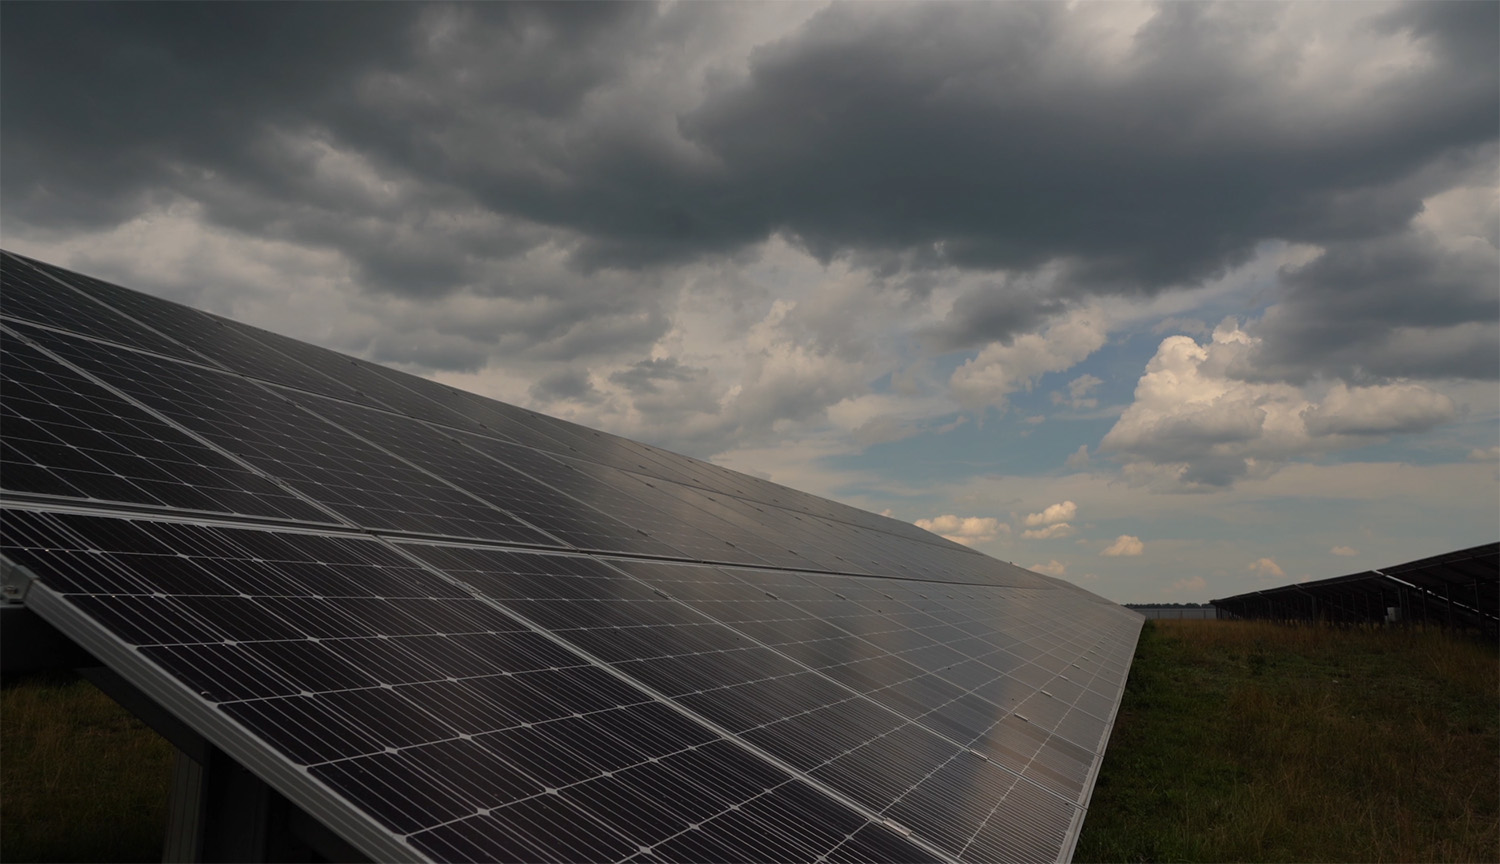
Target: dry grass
(80,778)
(1250,741)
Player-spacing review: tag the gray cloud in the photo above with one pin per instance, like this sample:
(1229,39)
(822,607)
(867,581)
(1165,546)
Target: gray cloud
(995,313)
(647,375)
(565,385)
(940,124)
(436,148)
(1396,306)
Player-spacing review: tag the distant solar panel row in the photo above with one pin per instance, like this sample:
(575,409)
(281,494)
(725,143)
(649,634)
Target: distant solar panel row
(462,631)
(1459,589)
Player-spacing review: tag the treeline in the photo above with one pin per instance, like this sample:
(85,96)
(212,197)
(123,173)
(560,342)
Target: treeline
(1168,605)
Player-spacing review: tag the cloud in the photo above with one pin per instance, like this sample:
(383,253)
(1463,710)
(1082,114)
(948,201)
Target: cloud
(1265,568)
(1002,368)
(1395,408)
(782,233)
(506,189)
(1053,514)
(1078,397)
(968,530)
(1189,584)
(1194,425)
(1417,302)
(427,144)
(1174,324)
(1124,546)
(1484,454)
(998,311)
(569,384)
(1051,568)
(648,376)
(1059,529)
(1078,458)
(1346,551)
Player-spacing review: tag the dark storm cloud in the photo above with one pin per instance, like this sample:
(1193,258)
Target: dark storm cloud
(647,375)
(994,313)
(112,109)
(565,384)
(941,125)
(1391,307)
(105,102)
(974,136)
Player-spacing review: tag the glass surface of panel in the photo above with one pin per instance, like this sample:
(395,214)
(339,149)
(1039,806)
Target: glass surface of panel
(445,456)
(595,650)
(67,436)
(28,293)
(365,485)
(452,746)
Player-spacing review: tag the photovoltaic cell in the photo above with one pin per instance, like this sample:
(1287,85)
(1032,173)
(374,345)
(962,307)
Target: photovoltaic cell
(367,486)
(485,634)
(67,436)
(438,742)
(33,295)
(578,524)
(893,748)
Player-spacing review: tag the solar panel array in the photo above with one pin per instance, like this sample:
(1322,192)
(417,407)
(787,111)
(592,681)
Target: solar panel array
(456,630)
(1458,590)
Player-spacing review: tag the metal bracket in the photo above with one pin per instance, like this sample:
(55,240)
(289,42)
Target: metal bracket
(15,581)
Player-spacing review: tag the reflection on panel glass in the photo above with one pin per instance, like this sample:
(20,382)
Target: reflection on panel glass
(493,635)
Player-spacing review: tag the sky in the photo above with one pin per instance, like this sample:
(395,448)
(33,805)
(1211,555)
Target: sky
(1174,301)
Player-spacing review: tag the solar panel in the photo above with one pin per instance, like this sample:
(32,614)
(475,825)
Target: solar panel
(1457,590)
(451,629)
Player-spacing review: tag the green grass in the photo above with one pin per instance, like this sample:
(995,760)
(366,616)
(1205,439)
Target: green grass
(80,778)
(1248,741)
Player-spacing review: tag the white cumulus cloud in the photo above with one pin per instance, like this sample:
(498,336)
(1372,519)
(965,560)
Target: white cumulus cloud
(1002,368)
(1057,529)
(1191,583)
(1266,569)
(1063,512)
(1051,568)
(1194,425)
(1345,551)
(1124,546)
(968,530)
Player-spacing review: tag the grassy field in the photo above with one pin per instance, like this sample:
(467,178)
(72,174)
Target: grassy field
(80,779)
(1249,741)
(1236,741)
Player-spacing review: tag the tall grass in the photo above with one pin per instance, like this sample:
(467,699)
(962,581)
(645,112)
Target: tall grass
(1251,741)
(80,778)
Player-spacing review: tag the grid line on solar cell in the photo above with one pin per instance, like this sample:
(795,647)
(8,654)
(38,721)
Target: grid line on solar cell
(31,295)
(70,436)
(518,494)
(363,382)
(924,713)
(200,337)
(849,769)
(472,566)
(700,535)
(380,740)
(364,484)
